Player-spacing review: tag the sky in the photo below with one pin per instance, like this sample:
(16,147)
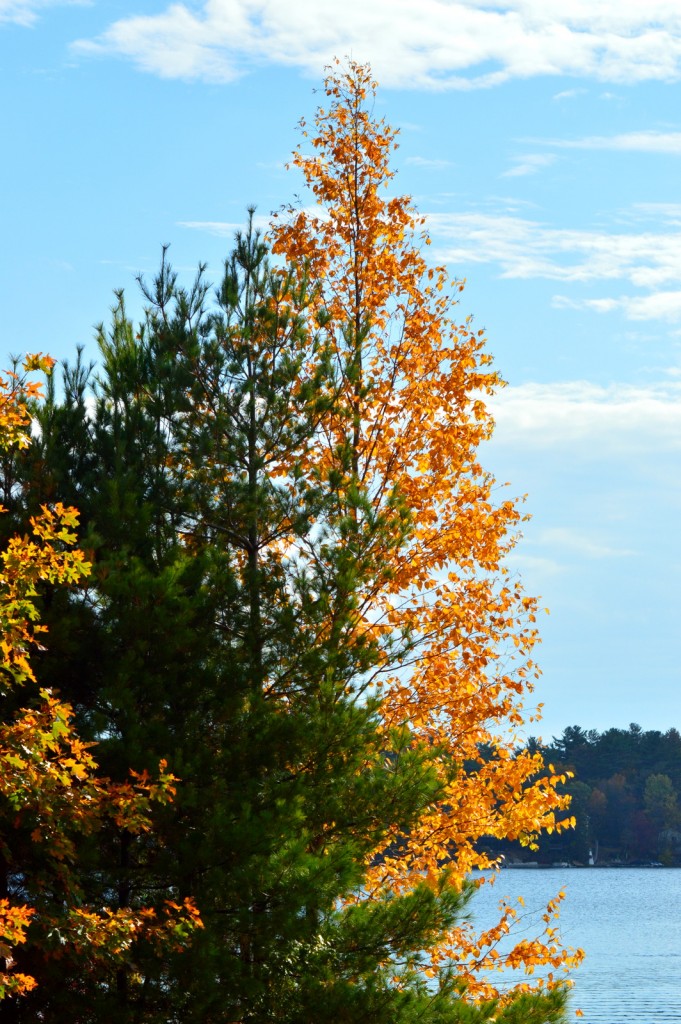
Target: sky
(541,139)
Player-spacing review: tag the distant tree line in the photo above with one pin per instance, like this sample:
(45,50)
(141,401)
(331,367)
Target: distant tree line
(626,797)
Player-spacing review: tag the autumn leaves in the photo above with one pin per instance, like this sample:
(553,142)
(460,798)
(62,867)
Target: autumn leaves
(414,382)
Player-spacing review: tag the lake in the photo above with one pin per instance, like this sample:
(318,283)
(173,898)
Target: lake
(628,922)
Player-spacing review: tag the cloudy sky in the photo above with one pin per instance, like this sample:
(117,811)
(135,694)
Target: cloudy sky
(543,141)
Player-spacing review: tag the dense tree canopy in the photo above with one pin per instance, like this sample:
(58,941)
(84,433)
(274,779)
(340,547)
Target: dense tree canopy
(626,794)
(298,599)
(51,795)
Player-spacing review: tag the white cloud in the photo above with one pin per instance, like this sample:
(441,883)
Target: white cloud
(569,94)
(261,222)
(221,228)
(535,565)
(597,305)
(526,249)
(21,12)
(429,165)
(664,305)
(570,539)
(671,212)
(589,419)
(25,12)
(530,163)
(634,142)
(432,44)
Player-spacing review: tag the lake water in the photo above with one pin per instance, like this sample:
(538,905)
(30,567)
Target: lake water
(628,922)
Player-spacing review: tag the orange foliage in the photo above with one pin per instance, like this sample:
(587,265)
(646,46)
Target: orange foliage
(48,777)
(414,383)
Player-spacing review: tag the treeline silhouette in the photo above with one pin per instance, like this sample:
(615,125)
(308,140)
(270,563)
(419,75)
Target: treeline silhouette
(625,789)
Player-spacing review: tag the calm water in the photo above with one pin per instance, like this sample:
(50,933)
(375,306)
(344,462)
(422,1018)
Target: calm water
(628,921)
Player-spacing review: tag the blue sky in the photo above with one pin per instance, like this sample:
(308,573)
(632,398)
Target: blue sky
(542,139)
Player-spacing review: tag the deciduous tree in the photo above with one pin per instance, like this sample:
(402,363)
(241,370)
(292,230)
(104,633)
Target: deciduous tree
(413,416)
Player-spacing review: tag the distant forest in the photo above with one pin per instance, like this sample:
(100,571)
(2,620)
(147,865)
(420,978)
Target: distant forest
(626,798)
